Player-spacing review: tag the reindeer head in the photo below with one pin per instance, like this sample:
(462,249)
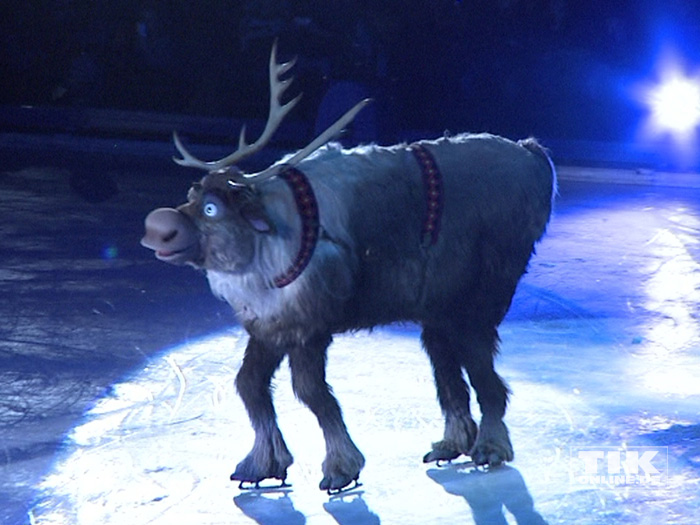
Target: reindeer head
(225,213)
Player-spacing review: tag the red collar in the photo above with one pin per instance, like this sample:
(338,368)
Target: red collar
(432,184)
(307,207)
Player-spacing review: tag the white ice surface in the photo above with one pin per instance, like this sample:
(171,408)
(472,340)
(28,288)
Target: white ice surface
(160,448)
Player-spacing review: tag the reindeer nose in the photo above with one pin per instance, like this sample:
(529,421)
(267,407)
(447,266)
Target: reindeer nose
(169,233)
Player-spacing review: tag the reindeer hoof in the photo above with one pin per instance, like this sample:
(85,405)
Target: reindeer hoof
(490,458)
(493,446)
(337,483)
(249,472)
(441,453)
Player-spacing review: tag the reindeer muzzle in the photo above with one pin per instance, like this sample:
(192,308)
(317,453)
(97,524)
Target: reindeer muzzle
(172,236)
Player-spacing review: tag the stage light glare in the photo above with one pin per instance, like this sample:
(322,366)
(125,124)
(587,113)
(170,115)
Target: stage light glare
(675,105)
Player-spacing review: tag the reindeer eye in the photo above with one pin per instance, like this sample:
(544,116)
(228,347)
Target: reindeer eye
(212,207)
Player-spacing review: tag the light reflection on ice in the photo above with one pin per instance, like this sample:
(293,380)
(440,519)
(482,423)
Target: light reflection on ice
(160,447)
(110,412)
(674,295)
(675,377)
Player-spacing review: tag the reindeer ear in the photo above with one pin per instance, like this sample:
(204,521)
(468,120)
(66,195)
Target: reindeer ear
(258,219)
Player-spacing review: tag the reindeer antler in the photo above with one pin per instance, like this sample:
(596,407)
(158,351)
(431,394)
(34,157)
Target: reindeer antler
(278,112)
(300,155)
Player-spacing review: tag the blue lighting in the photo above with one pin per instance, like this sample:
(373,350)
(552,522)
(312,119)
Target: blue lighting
(674,103)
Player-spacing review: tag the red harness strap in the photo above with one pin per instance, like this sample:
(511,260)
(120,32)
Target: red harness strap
(307,207)
(432,183)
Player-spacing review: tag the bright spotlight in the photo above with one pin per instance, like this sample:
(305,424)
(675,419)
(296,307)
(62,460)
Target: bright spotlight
(674,104)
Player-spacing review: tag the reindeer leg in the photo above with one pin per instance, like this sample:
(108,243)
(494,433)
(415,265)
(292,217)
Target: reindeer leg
(493,445)
(453,396)
(343,460)
(269,457)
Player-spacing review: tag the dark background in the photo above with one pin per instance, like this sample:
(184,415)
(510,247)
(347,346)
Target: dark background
(560,69)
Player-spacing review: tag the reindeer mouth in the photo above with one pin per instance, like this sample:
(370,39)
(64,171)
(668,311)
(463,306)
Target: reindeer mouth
(182,256)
